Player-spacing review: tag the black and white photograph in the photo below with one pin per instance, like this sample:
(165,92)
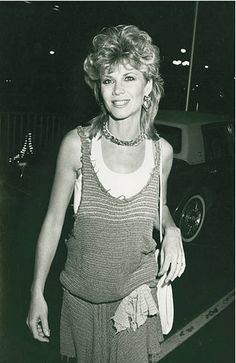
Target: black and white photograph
(117,181)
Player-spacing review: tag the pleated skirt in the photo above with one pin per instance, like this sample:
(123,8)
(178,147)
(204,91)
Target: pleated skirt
(87,334)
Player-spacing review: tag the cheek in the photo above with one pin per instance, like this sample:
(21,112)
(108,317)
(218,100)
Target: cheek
(105,94)
(139,90)
(140,94)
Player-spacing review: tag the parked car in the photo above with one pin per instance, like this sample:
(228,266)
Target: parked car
(203,166)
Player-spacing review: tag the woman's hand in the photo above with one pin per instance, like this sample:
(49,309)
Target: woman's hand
(37,319)
(172,258)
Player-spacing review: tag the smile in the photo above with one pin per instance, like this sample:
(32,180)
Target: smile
(120,103)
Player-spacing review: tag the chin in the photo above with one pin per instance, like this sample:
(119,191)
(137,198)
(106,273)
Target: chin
(121,114)
(118,116)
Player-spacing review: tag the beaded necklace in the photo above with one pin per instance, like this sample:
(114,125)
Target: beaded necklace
(108,135)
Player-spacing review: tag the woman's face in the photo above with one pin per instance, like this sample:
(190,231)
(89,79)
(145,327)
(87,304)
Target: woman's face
(123,89)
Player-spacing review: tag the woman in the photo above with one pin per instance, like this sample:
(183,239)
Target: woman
(109,311)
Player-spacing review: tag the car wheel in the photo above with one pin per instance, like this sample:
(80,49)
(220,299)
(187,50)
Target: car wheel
(192,217)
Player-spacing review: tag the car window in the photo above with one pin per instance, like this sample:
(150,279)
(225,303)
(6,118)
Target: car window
(172,135)
(218,140)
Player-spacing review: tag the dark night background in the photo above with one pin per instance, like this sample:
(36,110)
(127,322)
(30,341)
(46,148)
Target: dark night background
(31,79)
(39,91)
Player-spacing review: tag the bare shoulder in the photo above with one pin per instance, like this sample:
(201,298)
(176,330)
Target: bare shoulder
(70,149)
(167,150)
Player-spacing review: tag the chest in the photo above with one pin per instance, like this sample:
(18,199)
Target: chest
(122,159)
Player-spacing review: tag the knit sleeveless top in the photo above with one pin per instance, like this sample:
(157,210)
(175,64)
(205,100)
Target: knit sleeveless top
(110,251)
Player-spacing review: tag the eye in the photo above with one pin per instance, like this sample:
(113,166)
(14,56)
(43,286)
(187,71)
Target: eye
(129,78)
(106,81)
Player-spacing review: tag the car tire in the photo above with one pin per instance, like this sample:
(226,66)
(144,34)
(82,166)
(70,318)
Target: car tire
(192,217)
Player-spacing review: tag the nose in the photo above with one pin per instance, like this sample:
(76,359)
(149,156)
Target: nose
(118,88)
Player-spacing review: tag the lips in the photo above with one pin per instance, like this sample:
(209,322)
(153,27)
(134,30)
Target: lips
(120,103)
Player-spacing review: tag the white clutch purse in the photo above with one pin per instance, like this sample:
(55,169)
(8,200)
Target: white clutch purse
(166,305)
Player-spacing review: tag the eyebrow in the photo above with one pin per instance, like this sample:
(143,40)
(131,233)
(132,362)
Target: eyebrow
(125,74)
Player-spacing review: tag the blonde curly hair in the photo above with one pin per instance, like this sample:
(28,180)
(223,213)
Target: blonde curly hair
(124,43)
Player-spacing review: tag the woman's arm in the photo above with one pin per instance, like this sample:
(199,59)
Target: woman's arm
(172,253)
(68,162)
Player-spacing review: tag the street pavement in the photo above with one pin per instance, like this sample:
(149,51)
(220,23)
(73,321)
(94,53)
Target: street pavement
(208,277)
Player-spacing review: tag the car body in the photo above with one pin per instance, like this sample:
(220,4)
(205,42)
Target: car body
(203,166)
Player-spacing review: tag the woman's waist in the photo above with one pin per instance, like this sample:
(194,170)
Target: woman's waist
(105,284)
(112,252)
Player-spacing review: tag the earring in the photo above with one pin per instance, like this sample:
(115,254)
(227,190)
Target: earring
(147,103)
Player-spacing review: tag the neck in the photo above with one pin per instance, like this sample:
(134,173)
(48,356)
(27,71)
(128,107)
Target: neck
(124,129)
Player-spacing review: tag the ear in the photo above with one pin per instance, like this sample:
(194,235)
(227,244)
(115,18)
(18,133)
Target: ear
(148,87)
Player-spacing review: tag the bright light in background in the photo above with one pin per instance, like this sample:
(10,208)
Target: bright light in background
(206,66)
(52,52)
(196,85)
(221,94)
(183,50)
(8,80)
(56,8)
(176,62)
